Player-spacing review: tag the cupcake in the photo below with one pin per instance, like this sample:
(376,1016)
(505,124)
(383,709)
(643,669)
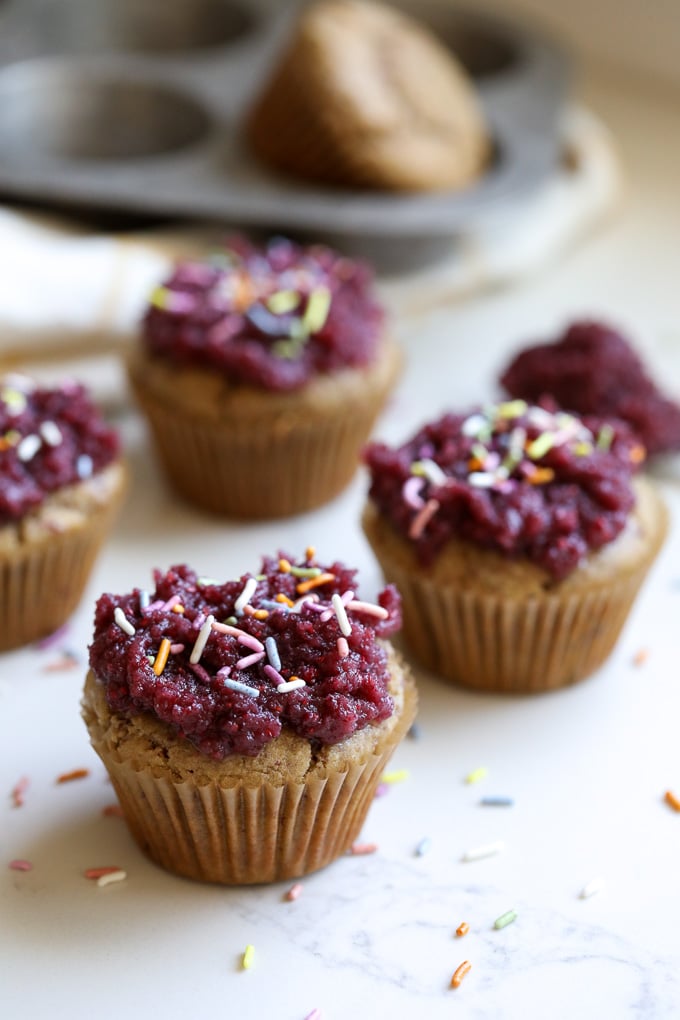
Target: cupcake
(261,374)
(366,97)
(593,369)
(245,725)
(61,483)
(518,537)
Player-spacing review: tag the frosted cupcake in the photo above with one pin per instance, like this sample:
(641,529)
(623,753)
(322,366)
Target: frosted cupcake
(245,725)
(518,537)
(261,375)
(61,484)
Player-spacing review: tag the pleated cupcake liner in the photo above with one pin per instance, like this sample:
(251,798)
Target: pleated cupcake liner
(240,470)
(42,582)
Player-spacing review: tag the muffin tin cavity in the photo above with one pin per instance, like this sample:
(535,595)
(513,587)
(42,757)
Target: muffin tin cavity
(137,105)
(51,109)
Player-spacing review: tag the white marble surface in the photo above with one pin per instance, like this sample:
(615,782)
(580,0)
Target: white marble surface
(374,936)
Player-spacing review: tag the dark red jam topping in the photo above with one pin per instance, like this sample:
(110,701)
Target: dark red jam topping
(523,480)
(49,438)
(228,665)
(272,318)
(592,369)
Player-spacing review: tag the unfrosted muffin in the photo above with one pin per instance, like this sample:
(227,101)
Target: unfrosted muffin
(261,374)
(61,484)
(245,725)
(366,97)
(518,538)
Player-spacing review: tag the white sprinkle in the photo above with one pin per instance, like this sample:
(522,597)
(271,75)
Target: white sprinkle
(51,433)
(249,660)
(144,599)
(488,850)
(112,876)
(481,479)
(245,596)
(290,685)
(28,447)
(273,653)
(235,685)
(341,613)
(123,622)
(84,466)
(201,640)
(596,885)
(369,608)
(473,425)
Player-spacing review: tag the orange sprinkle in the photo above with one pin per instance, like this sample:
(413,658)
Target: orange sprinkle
(463,928)
(361,849)
(460,973)
(112,811)
(310,553)
(161,659)
(475,464)
(314,582)
(641,657)
(672,800)
(284,599)
(98,872)
(258,614)
(284,566)
(67,777)
(541,475)
(637,454)
(178,608)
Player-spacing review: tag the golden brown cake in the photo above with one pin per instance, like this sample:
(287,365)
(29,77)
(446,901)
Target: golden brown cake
(253,417)
(232,768)
(366,97)
(515,588)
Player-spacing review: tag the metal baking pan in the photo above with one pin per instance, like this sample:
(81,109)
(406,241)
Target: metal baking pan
(137,105)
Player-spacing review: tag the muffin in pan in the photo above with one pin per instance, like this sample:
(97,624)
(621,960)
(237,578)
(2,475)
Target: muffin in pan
(518,537)
(365,96)
(245,725)
(261,374)
(62,481)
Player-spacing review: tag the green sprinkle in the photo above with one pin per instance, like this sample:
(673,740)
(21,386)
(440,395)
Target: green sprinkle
(398,776)
(604,439)
(231,620)
(512,409)
(479,452)
(282,301)
(316,312)
(305,571)
(203,581)
(14,399)
(248,957)
(476,775)
(505,919)
(12,437)
(540,446)
(160,298)
(583,448)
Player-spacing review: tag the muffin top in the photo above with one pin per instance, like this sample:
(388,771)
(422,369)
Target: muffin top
(592,369)
(228,665)
(527,481)
(49,438)
(272,317)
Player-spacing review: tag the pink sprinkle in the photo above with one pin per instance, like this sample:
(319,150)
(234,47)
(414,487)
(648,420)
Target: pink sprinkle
(174,600)
(20,865)
(310,603)
(226,628)
(153,606)
(176,649)
(273,675)
(314,1015)
(369,608)
(67,661)
(411,492)
(249,660)
(326,615)
(382,789)
(360,849)
(423,518)
(294,891)
(19,790)
(343,647)
(112,811)
(250,642)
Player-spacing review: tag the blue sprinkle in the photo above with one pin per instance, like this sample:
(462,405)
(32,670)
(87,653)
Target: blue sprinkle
(497,802)
(423,847)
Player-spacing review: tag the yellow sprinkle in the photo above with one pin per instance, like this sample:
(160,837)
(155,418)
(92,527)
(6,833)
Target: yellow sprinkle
(178,608)
(248,956)
(395,777)
(283,599)
(159,297)
(261,614)
(162,657)
(476,775)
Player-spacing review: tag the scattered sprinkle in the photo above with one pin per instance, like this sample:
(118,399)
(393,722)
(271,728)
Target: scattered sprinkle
(161,659)
(314,582)
(68,777)
(20,865)
(18,791)
(273,653)
(362,849)
(248,957)
(273,675)
(591,889)
(462,929)
(66,660)
(423,847)
(245,596)
(428,469)
(28,447)
(341,614)
(84,466)
(343,648)
(480,852)
(672,800)
(381,790)
(96,873)
(249,660)
(236,685)
(423,518)
(370,608)
(121,619)
(505,919)
(460,973)
(314,1015)
(497,802)
(641,657)
(605,437)
(476,775)
(294,891)
(112,811)
(398,776)
(111,877)
(202,640)
(291,685)
(414,732)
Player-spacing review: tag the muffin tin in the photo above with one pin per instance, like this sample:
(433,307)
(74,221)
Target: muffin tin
(137,106)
